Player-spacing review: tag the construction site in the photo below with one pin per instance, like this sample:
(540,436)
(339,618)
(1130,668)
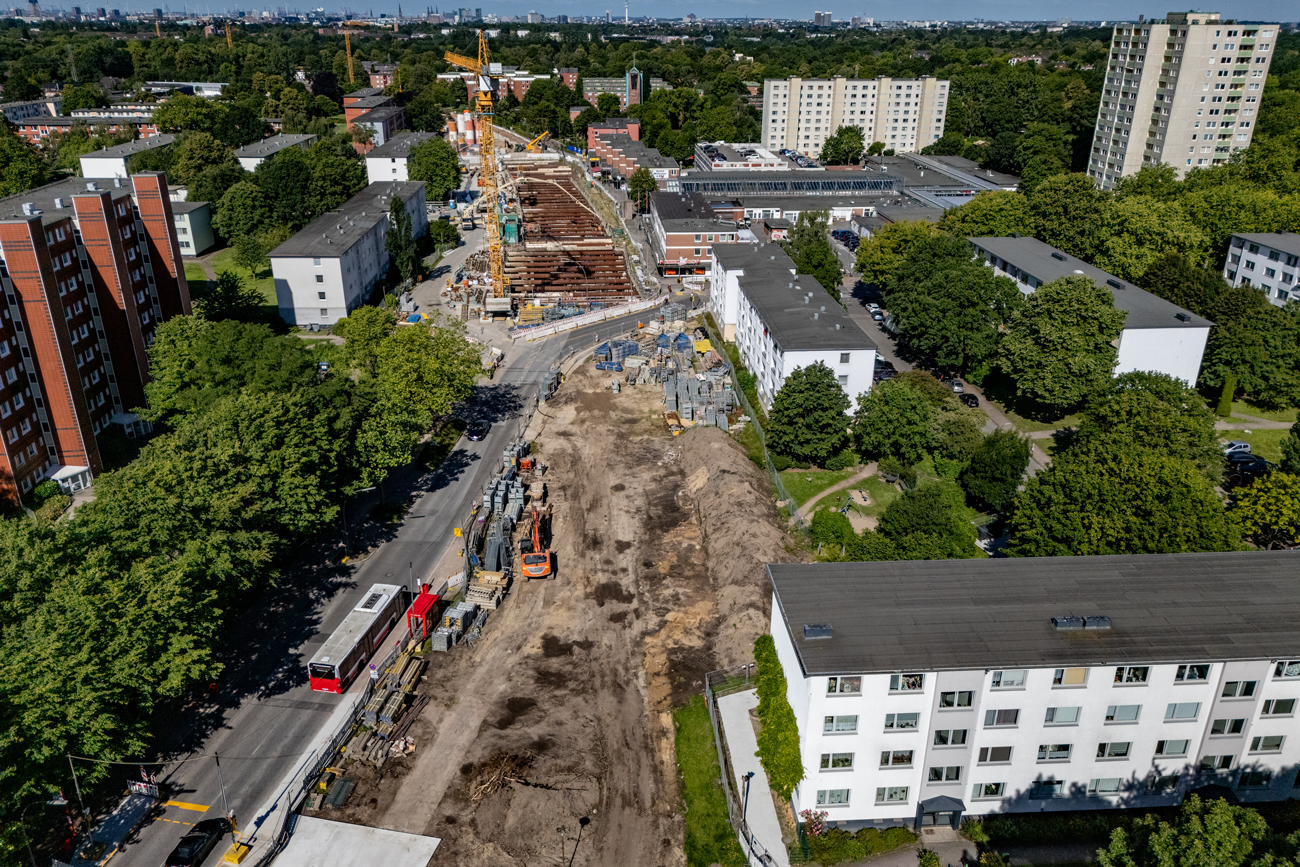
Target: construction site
(557,706)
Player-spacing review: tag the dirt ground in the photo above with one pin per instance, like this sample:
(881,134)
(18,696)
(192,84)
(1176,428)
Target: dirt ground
(660,543)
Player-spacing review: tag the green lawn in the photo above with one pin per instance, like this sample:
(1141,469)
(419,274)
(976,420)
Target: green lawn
(710,838)
(1240,406)
(1265,443)
(194,274)
(1029,425)
(881,492)
(803,485)
(225,261)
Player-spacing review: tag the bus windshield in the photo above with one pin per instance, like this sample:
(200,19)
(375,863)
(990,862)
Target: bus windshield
(321,670)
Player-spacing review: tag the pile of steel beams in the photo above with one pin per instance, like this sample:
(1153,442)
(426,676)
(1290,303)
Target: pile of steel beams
(565,257)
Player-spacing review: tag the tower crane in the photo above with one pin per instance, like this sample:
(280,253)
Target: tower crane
(499,301)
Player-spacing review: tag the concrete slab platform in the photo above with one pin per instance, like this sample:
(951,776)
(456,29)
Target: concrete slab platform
(322,843)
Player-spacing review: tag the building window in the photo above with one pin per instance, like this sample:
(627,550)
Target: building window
(906,682)
(320,295)
(1009,679)
(844,358)
(832,797)
(1104,786)
(1227,726)
(1113,750)
(951,774)
(1189,673)
(1054,752)
(1131,674)
(1069,677)
(316,261)
(1062,716)
(950,737)
(895,758)
(1215,763)
(1162,782)
(844,381)
(897,721)
(1171,748)
(1001,718)
(1267,744)
(887,794)
(324,311)
(1287,669)
(843,686)
(1238,689)
(834,724)
(320,278)
(956,699)
(991,755)
(988,790)
(836,761)
(1122,713)
(1255,779)
(1047,789)
(1183,710)
(1278,707)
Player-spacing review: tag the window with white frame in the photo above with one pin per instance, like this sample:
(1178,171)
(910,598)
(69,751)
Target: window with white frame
(889,794)
(1162,782)
(1287,669)
(1001,718)
(1104,785)
(844,686)
(949,774)
(1215,763)
(1227,726)
(1267,744)
(1010,679)
(1238,689)
(988,790)
(1069,677)
(1132,674)
(896,758)
(1257,779)
(950,737)
(1185,710)
(1040,789)
(1062,716)
(1192,673)
(1278,707)
(836,724)
(1114,750)
(906,682)
(1122,713)
(960,699)
(898,721)
(1171,748)
(836,761)
(991,755)
(1054,752)
(832,797)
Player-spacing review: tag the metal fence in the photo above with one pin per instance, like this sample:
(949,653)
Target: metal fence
(784,500)
(717,684)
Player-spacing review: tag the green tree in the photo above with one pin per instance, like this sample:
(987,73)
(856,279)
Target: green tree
(1269,510)
(435,162)
(996,213)
(428,367)
(933,518)
(1158,182)
(641,186)
(1099,499)
(808,420)
(996,470)
(810,248)
(881,254)
(1259,343)
(286,183)
(1058,345)
(334,180)
(243,210)
(1068,211)
(399,243)
(844,148)
(951,144)
(364,330)
(200,151)
(182,113)
(212,183)
(894,419)
(444,232)
(83,96)
(250,253)
(1291,451)
(1204,833)
(1176,278)
(20,165)
(228,298)
(607,105)
(1138,230)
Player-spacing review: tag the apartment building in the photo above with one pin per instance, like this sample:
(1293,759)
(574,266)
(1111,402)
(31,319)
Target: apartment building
(1158,335)
(383,123)
(90,267)
(389,161)
(193,227)
(620,155)
(925,690)
(683,230)
(722,156)
(1183,90)
(251,156)
(354,106)
(18,111)
(330,267)
(35,129)
(633,88)
(1267,260)
(781,321)
(905,114)
(112,162)
(206,89)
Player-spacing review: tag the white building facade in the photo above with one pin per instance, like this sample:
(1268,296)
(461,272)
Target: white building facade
(1112,711)
(905,114)
(330,267)
(389,161)
(1184,90)
(1269,261)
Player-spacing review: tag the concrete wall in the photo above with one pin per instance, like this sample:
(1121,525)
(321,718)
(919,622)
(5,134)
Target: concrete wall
(1174,351)
(103,167)
(383,169)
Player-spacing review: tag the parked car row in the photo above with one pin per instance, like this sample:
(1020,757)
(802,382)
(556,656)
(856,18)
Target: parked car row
(847,238)
(884,370)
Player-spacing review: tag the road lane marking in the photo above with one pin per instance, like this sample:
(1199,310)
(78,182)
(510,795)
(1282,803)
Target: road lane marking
(174,822)
(198,808)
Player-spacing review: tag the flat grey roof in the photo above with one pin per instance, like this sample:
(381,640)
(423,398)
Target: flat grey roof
(862,183)
(273,145)
(377,114)
(43,197)
(133,147)
(971,167)
(809,203)
(372,102)
(944,615)
(400,144)
(1286,242)
(795,325)
(365,92)
(1040,260)
(187,207)
(335,232)
(906,211)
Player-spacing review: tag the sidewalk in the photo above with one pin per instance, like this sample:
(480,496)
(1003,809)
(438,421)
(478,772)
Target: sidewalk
(953,850)
(733,716)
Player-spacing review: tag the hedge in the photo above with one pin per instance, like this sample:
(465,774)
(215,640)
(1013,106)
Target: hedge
(778,736)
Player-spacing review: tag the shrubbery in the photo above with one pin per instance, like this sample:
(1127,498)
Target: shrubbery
(778,738)
(836,845)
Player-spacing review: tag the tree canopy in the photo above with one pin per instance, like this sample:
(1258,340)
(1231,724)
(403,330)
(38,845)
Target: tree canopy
(808,420)
(435,162)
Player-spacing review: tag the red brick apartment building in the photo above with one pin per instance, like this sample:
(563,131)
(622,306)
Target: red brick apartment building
(88,270)
(683,229)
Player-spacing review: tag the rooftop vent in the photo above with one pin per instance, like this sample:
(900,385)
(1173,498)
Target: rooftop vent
(1096,622)
(837,326)
(1015,234)
(92,186)
(815,314)
(1182,317)
(813,631)
(1056,255)
(1114,284)
(1077,271)
(29,208)
(60,203)
(1067,623)
(117,182)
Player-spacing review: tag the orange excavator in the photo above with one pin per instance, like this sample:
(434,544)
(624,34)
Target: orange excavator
(537,559)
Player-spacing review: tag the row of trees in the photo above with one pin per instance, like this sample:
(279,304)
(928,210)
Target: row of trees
(112,613)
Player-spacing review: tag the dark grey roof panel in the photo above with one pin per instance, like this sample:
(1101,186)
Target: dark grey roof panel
(1286,242)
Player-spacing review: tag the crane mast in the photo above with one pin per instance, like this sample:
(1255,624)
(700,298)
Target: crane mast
(499,301)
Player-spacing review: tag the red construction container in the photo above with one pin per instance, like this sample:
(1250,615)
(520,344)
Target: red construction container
(422,616)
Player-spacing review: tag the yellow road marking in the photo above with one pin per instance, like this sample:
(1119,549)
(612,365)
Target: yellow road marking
(198,808)
(174,822)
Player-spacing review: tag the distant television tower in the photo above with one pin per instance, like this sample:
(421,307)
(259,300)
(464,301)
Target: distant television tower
(625,12)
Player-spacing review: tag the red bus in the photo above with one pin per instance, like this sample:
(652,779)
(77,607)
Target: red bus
(358,636)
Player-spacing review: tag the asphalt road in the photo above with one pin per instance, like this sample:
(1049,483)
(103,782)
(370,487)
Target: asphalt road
(270,719)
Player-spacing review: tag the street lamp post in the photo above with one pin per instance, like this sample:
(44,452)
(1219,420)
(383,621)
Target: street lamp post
(22,820)
(744,814)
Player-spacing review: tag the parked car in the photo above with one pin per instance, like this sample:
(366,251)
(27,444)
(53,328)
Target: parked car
(198,843)
(1236,447)
(878,315)
(873,306)
(970,400)
(477,430)
(883,374)
(958,386)
(884,362)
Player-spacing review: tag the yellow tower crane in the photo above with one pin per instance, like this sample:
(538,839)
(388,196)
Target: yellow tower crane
(500,300)
(230,43)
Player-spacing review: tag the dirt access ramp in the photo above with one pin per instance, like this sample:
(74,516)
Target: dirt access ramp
(562,708)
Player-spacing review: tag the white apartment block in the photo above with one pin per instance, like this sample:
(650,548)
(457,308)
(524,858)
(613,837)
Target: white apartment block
(799,114)
(330,267)
(1158,335)
(1267,260)
(925,690)
(1184,91)
(389,161)
(781,321)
